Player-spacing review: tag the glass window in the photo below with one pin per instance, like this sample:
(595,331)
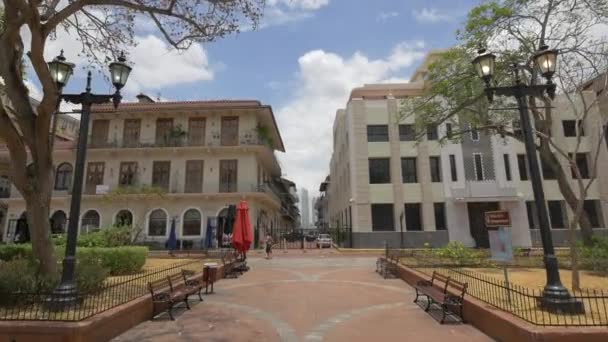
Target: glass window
(448,130)
(582,165)
(557,213)
(192,223)
(593,210)
(409,173)
(522,165)
(570,128)
(507,162)
(478,160)
(377,133)
(130,133)
(124,218)
(439,216)
(5,187)
(435,169)
(128,171)
(196,131)
(413,219)
(474,133)
(379,171)
(194,176)
(157,223)
(407,133)
(431,133)
(230,131)
(90,221)
(95,172)
(382,217)
(548,172)
(228,175)
(532,214)
(63,177)
(453,170)
(58,222)
(161,173)
(516,128)
(164,127)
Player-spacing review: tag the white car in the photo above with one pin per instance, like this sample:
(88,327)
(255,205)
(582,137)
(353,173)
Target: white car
(324,240)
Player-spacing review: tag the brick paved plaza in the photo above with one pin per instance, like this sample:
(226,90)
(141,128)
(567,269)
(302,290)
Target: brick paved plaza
(316,296)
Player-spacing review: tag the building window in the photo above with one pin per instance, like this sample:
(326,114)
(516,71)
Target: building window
(124,218)
(194,176)
(63,177)
(581,164)
(228,175)
(128,174)
(5,187)
(95,172)
(164,127)
(435,169)
(230,131)
(58,222)
(557,213)
(196,131)
(453,170)
(409,173)
(99,133)
(90,221)
(570,128)
(192,223)
(157,223)
(448,130)
(382,217)
(130,132)
(379,171)
(593,209)
(413,219)
(532,214)
(431,133)
(407,133)
(478,163)
(474,133)
(377,133)
(439,216)
(548,173)
(161,173)
(522,165)
(507,162)
(517,132)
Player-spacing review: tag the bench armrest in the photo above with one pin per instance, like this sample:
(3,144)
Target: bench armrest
(454,300)
(424,283)
(161,297)
(192,282)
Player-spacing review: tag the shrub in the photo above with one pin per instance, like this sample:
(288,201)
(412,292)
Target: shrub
(113,236)
(596,256)
(117,260)
(456,252)
(15,251)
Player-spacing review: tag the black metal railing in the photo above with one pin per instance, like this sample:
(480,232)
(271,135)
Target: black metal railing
(114,292)
(521,301)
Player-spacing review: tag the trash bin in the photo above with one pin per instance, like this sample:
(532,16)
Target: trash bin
(209,275)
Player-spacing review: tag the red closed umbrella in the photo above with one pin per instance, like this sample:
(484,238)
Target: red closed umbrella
(242,235)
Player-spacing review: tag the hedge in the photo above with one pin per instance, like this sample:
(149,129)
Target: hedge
(117,260)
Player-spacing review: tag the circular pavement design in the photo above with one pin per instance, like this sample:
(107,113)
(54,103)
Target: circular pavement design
(313,297)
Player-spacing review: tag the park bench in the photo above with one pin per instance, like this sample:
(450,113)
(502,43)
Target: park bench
(387,267)
(229,263)
(165,295)
(442,297)
(193,282)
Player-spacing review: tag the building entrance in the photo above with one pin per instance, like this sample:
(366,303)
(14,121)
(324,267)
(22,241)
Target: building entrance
(477,225)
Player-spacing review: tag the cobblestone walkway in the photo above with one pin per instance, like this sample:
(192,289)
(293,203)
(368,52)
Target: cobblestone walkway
(312,297)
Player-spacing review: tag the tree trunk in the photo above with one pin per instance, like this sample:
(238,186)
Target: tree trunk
(576,285)
(564,186)
(40,233)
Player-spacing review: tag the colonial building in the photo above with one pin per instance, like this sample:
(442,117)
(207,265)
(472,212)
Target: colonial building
(384,181)
(153,164)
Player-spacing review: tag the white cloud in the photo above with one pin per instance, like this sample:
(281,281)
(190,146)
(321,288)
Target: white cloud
(299,4)
(324,82)
(384,16)
(430,15)
(279,12)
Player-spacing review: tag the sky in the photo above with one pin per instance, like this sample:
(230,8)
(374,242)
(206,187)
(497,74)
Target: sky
(303,60)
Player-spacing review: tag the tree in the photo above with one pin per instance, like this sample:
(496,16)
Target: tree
(103,27)
(514,30)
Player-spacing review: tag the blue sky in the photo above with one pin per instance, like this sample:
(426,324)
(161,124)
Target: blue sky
(303,61)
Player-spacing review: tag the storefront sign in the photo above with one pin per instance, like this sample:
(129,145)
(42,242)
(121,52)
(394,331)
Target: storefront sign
(499,218)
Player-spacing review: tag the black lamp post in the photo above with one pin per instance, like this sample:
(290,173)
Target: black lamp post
(555,296)
(66,293)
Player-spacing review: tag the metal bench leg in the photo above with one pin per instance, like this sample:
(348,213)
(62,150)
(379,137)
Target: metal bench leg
(461,315)
(187,304)
(199,294)
(417,295)
(429,301)
(170,311)
(445,309)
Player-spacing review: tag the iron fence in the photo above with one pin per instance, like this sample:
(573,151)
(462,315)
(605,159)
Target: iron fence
(115,291)
(521,301)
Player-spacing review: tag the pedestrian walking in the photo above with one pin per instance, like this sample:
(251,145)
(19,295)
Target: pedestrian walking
(268,242)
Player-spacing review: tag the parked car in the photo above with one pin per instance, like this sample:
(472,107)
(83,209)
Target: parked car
(324,240)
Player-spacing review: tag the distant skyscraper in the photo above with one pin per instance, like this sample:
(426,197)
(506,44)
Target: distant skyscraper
(305,206)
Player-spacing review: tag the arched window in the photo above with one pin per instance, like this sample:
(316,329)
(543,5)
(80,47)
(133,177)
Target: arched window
(58,222)
(192,223)
(90,221)
(63,177)
(157,223)
(124,218)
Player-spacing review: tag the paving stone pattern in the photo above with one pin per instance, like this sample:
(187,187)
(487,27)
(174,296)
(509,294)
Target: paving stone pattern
(317,296)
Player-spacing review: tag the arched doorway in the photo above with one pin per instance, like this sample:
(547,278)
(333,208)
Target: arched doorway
(22,231)
(90,221)
(124,218)
(58,222)
(157,223)
(192,223)
(222,222)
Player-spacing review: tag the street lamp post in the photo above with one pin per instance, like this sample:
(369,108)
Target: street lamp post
(67,293)
(555,296)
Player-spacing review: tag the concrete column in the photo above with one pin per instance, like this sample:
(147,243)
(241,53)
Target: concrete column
(395,162)
(357,122)
(424,179)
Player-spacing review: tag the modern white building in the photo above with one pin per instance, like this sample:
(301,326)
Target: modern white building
(384,180)
(305,209)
